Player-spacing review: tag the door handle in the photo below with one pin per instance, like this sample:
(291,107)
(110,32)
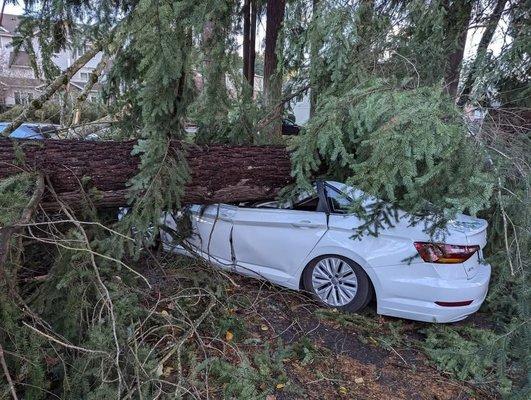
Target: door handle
(304,224)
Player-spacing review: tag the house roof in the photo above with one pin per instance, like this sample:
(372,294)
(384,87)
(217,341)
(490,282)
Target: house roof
(21,82)
(19,59)
(9,24)
(81,85)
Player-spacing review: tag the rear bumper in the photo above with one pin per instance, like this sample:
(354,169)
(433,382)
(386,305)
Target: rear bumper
(414,298)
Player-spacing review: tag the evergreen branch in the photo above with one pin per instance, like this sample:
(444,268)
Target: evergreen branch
(8,231)
(59,82)
(64,344)
(188,333)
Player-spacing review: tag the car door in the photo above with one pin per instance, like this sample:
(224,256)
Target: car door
(211,227)
(273,243)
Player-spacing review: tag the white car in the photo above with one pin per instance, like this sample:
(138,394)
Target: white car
(308,245)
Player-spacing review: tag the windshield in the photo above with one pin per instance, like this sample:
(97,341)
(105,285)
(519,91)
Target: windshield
(342,198)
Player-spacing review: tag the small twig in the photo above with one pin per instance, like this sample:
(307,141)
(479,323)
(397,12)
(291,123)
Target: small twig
(7,375)
(189,333)
(64,344)
(410,63)
(272,114)
(109,304)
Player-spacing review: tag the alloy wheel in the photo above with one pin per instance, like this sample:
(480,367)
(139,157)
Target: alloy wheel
(334,281)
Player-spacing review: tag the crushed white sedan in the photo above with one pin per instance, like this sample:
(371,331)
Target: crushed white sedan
(308,245)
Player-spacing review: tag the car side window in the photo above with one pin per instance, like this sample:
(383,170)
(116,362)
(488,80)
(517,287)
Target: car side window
(303,202)
(339,202)
(307,204)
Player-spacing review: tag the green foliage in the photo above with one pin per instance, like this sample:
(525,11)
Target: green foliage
(250,379)
(381,123)
(50,112)
(305,351)
(213,103)
(15,192)
(407,147)
(469,353)
(159,35)
(500,353)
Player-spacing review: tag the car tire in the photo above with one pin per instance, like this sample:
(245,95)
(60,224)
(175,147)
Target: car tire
(349,288)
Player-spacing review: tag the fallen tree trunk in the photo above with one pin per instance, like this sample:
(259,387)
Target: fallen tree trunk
(98,172)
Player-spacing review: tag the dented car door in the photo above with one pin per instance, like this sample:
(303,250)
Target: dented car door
(211,231)
(272,243)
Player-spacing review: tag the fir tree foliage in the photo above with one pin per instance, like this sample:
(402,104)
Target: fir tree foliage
(407,147)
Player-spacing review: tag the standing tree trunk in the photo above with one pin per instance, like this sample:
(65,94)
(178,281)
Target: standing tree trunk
(315,45)
(457,20)
(272,77)
(252,45)
(246,11)
(482,51)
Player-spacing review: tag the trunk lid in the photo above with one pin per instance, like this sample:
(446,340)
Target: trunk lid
(475,230)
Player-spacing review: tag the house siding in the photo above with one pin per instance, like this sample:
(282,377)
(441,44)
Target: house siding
(22,78)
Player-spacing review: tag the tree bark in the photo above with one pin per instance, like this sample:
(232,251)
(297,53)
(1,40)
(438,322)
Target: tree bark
(315,45)
(246,11)
(252,45)
(457,20)
(82,171)
(493,21)
(272,80)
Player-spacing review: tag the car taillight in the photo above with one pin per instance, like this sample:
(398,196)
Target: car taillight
(442,253)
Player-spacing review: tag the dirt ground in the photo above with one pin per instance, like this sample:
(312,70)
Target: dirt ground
(353,364)
(343,356)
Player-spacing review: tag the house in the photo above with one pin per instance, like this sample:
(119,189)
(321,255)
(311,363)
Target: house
(18,82)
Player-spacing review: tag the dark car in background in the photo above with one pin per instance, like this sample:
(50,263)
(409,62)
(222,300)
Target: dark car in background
(290,128)
(31,130)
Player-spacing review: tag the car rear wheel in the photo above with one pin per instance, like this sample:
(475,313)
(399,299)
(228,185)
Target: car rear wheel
(338,282)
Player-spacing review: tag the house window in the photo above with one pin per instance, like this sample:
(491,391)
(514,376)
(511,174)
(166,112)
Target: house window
(84,76)
(79,51)
(23,98)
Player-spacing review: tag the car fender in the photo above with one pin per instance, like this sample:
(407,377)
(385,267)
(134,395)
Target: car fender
(344,252)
